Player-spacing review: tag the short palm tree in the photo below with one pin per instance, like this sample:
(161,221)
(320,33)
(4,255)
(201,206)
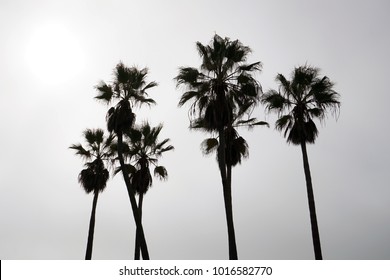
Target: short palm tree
(94,177)
(128,89)
(143,151)
(222,86)
(306,97)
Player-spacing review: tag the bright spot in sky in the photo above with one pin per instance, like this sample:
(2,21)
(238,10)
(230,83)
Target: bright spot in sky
(53,54)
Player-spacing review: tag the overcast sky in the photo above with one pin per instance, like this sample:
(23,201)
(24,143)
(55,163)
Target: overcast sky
(53,53)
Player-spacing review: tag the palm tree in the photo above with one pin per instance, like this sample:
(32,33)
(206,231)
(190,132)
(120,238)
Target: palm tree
(129,90)
(94,177)
(143,150)
(298,102)
(222,86)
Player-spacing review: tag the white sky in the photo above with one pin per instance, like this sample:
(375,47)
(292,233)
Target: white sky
(44,213)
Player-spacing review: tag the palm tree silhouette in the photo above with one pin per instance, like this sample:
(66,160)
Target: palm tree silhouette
(143,149)
(129,90)
(94,177)
(298,102)
(221,87)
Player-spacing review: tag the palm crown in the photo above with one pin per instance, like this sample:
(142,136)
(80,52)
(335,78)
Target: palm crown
(222,85)
(299,101)
(94,177)
(129,89)
(143,149)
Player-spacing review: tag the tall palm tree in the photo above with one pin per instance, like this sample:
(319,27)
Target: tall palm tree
(143,151)
(220,88)
(94,177)
(306,97)
(128,89)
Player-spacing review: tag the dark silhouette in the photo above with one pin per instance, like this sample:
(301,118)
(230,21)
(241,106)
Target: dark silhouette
(298,102)
(239,148)
(94,177)
(128,89)
(222,89)
(143,149)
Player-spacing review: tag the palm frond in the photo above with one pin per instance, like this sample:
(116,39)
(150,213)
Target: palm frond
(141,100)
(81,151)
(251,67)
(91,136)
(105,92)
(316,113)
(285,122)
(239,149)
(188,76)
(161,172)
(261,123)
(109,141)
(149,85)
(273,100)
(130,169)
(209,145)
(188,96)
(307,132)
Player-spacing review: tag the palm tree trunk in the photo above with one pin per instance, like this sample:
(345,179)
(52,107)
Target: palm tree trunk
(133,202)
(312,208)
(227,195)
(137,241)
(88,253)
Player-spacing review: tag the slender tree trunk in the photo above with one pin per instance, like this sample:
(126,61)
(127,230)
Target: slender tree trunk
(137,241)
(137,218)
(312,208)
(88,253)
(227,195)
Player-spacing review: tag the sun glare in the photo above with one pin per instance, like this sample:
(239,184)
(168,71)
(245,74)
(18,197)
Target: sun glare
(53,54)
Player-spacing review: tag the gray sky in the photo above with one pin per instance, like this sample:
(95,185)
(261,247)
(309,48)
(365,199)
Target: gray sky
(44,213)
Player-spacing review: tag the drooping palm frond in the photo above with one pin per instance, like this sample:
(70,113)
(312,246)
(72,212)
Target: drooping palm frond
(87,180)
(239,149)
(142,180)
(308,131)
(236,150)
(161,172)
(285,123)
(209,145)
